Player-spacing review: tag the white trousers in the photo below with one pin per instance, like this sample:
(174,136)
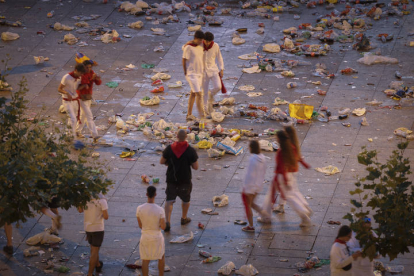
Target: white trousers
(293,196)
(86,116)
(71,108)
(215,80)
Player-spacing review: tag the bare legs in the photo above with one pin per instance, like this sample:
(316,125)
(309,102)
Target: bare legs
(197,98)
(93,260)
(8,229)
(250,204)
(168,210)
(161,266)
(185,206)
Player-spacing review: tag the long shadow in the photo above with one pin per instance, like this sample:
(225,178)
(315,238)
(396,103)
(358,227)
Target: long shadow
(30,68)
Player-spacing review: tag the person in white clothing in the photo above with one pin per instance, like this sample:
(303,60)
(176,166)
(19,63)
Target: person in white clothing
(253,183)
(213,70)
(193,65)
(151,219)
(341,258)
(362,266)
(95,213)
(70,100)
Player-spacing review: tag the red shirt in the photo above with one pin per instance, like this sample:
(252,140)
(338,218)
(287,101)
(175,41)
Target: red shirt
(87,79)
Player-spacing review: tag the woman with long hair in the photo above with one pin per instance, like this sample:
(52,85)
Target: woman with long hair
(291,132)
(285,180)
(340,256)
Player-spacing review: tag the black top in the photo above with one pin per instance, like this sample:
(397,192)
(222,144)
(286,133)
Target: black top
(179,169)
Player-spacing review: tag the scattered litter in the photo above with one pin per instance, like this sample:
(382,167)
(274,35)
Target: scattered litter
(40,59)
(227,101)
(246,87)
(240,222)
(112,84)
(404,132)
(150,101)
(271,48)
(183,238)
(43,238)
(227,268)
(374,103)
(61,27)
(177,84)
(300,111)
(359,111)
(220,201)
(370,59)
(31,251)
(254,94)
(212,259)
(328,170)
(333,222)
(70,39)
(217,116)
(160,76)
(251,70)
(194,28)
(395,269)
(247,270)
(364,122)
(136,25)
(213,153)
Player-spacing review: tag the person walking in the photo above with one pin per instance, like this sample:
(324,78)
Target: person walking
(94,215)
(151,219)
(340,256)
(193,65)
(285,181)
(291,132)
(253,183)
(180,158)
(68,86)
(85,97)
(213,70)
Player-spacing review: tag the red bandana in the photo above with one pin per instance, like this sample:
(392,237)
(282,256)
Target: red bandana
(340,241)
(206,48)
(192,44)
(179,148)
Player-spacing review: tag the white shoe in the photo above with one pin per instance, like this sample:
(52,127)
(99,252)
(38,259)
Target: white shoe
(279,209)
(264,220)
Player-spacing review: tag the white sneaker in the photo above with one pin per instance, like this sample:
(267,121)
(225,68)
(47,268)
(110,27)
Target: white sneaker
(279,209)
(264,220)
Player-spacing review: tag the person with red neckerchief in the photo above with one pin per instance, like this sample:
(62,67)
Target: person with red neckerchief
(213,71)
(340,256)
(70,100)
(180,158)
(193,65)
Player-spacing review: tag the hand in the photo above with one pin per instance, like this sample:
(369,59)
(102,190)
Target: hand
(185,73)
(221,73)
(94,76)
(356,255)
(68,96)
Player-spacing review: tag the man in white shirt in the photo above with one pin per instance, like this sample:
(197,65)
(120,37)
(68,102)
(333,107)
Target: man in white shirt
(94,214)
(70,100)
(193,65)
(213,70)
(151,219)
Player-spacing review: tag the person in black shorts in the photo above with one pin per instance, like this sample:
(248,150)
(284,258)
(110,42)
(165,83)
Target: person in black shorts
(180,157)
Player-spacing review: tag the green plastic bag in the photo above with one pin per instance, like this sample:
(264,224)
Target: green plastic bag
(147,66)
(112,84)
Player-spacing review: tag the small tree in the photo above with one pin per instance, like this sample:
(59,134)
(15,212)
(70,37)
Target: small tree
(389,194)
(36,165)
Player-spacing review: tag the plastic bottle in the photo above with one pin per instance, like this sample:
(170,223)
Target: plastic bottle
(291,85)
(235,137)
(50,14)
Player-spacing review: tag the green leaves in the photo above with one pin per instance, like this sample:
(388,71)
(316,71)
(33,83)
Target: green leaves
(392,201)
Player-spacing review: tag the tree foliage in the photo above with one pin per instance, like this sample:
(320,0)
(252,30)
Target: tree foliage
(36,164)
(386,192)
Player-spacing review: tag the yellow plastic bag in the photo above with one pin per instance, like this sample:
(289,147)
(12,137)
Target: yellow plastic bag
(300,111)
(204,144)
(126,154)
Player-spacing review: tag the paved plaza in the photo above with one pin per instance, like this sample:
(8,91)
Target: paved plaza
(323,143)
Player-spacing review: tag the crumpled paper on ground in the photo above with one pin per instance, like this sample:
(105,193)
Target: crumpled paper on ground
(227,268)
(217,116)
(60,27)
(120,124)
(328,170)
(288,44)
(251,70)
(271,48)
(42,238)
(213,153)
(359,111)
(183,238)
(251,56)
(227,101)
(70,39)
(265,145)
(374,103)
(227,110)
(254,94)
(228,142)
(161,125)
(370,59)
(248,87)
(110,36)
(194,28)
(161,76)
(247,270)
(8,36)
(238,40)
(31,251)
(136,25)
(177,84)
(153,101)
(158,31)
(404,132)
(40,59)
(220,201)
(279,101)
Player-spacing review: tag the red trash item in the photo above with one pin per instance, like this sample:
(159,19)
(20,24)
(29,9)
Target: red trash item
(133,266)
(200,225)
(157,82)
(158,90)
(261,24)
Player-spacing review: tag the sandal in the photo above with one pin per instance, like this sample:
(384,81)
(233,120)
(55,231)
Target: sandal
(248,229)
(184,221)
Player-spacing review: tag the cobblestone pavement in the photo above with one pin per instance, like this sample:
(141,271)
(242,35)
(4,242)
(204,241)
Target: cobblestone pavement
(323,143)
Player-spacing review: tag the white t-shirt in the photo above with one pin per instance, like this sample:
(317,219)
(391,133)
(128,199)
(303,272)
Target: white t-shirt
(150,215)
(93,216)
(71,84)
(213,61)
(255,175)
(194,59)
(340,258)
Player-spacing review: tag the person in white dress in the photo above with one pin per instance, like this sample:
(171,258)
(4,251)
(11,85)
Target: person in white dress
(253,183)
(213,70)
(341,257)
(362,266)
(151,219)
